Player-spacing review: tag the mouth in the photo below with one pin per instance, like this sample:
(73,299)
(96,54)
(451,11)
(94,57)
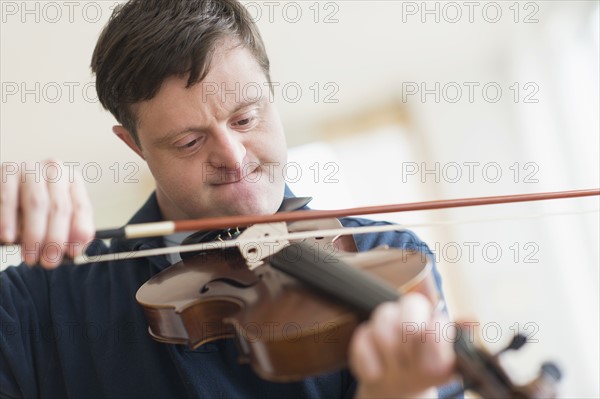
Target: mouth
(235,176)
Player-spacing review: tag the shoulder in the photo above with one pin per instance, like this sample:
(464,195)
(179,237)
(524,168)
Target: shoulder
(401,238)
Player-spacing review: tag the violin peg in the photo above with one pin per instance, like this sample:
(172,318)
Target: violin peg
(517,343)
(550,369)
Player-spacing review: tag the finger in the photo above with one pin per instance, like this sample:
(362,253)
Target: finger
(363,358)
(418,310)
(386,331)
(397,329)
(82,228)
(59,216)
(33,198)
(439,357)
(9,203)
(431,354)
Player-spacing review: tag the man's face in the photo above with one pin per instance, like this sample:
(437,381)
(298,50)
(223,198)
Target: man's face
(218,147)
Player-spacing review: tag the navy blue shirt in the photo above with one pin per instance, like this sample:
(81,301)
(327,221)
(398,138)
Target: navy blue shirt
(77,331)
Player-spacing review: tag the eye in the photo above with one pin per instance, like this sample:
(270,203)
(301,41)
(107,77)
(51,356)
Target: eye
(188,144)
(246,121)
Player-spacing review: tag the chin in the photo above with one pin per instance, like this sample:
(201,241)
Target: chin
(255,208)
(252,200)
(241,205)
(235,200)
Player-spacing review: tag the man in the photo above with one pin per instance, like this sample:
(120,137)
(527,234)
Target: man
(77,331)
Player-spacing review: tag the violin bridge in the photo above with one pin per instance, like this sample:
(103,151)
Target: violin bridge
(260,241)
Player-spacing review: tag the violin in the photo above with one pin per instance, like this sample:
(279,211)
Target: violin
(284,292)
(292,310)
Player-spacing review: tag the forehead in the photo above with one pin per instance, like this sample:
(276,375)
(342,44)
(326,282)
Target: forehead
(234,77)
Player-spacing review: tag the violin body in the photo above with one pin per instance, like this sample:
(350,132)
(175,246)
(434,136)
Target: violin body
(293,313)
(284,328)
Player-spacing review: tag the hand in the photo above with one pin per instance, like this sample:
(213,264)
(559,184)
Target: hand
(401,352)
(45,208)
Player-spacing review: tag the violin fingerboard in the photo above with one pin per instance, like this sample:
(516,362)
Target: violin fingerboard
(333,277)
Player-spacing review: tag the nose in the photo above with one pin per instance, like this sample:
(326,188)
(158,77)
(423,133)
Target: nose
(227,151)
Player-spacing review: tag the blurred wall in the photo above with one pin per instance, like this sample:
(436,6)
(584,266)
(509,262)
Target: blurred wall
(386,101)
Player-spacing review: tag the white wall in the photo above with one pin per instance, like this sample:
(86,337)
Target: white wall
(373,51)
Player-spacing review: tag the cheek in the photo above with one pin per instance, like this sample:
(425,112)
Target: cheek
(169,174)
(180,177)
(160,170)
(273,146)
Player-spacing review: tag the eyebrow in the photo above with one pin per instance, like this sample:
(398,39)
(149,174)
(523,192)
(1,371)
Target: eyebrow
(170,135)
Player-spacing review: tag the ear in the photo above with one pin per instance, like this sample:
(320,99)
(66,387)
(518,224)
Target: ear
(128,139)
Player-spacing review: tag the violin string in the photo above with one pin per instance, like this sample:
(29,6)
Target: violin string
(84,259)
(207,246)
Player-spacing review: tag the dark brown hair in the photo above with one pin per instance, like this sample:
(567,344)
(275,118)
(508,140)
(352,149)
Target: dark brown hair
(147,41)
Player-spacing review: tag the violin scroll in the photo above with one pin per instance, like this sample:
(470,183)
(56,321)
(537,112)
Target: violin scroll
(483,374)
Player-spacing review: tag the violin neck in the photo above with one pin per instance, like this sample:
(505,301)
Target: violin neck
(333,277)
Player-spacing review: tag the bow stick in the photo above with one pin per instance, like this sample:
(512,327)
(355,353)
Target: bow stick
(170,227)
